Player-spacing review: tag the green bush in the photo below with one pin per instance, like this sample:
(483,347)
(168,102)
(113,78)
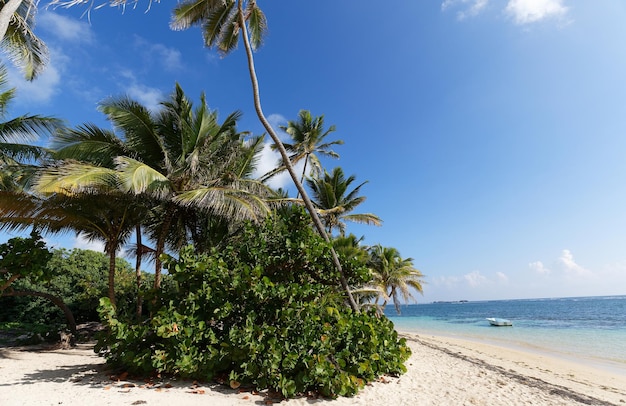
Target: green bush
(77,276)
(264,312)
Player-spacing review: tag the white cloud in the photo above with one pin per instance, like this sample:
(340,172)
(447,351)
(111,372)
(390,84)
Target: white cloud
(146,95)
(277,120)
(45,86)
(520,11)
(65,28)
(270,159)
(471,8)
(539,268)
(475,279)
(169,58)
(531,11)
(447,281)
(569,266)
(501,277)
(83,243)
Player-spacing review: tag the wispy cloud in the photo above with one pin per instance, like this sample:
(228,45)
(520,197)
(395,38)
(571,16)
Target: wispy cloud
(146,95)
(522,12)
(471,8)
(539,268)
(83,243)
(65,28)
(531,11)
(45,86)
(563,266)
(475,279)
(569,266)
(270,159)
(168,57)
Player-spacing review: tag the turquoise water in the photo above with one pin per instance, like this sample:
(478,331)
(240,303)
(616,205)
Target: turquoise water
(588,328)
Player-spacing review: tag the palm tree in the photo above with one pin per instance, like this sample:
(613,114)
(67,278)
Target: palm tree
(394,276)
(222,22)
(17,19)
(308,140)
(17,160)
(335,203)
(179,159)
(95,215)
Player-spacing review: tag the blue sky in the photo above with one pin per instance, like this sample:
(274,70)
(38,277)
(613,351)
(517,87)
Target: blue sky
(491,133)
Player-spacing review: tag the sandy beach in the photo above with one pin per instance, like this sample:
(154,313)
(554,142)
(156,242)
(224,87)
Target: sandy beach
(441,371)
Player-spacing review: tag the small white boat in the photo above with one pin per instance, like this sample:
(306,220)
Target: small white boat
(499,322)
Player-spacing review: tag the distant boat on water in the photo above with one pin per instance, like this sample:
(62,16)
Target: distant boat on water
(499,322)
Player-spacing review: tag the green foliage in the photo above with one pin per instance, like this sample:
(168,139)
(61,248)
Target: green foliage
(79,278)
(265,312)
(23,258)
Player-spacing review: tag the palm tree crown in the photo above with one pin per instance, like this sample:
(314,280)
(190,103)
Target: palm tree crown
(308,137)
(394,276)
(335,202)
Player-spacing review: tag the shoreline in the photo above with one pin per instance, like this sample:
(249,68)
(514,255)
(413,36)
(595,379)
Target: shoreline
(441,370)
(608,365)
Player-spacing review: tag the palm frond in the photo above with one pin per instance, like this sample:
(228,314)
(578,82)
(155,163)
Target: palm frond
(137,177)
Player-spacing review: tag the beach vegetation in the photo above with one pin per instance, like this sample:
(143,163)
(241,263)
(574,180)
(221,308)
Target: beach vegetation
(264,312)
(223,23)
(335,202)
(308,141)
(394,277)
(75,277)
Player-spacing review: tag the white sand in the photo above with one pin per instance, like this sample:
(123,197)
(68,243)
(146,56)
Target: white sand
(441,371)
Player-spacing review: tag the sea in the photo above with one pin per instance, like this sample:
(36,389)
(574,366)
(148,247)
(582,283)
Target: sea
(587,329)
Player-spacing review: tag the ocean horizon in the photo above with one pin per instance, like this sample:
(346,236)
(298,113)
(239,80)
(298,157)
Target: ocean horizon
(585,329)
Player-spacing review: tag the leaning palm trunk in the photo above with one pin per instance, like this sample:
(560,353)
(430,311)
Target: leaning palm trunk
(283,153)
(6,14)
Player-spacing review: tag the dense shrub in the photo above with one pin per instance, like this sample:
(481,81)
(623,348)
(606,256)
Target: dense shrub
(79,278)
(265,312)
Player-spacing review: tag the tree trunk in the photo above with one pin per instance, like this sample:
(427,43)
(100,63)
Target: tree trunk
(138,273)
(283,153)
(160,247)
(306,161)
(6,13)
(71,323)
(112,276)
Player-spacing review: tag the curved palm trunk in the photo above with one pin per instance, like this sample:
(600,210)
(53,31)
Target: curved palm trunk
(69,316)
(283,153)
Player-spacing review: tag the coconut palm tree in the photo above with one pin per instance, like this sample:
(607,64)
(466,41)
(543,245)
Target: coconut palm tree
(335,202)
(394,276)
(17,156)
(308,137)
(223,22)
(26,50)
(94,214)
(178,159)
